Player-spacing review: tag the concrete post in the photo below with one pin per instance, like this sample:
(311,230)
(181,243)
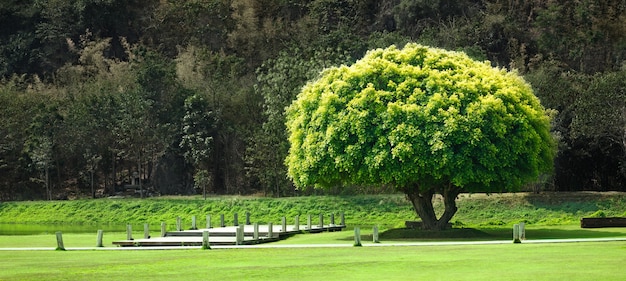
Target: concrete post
(239,235)
(99,238)
(179,226)
(375,235)
(193,223)
(146,231)
(208,221)
(60,245)
(297,223)
(308,223)
(321,221)
(129,232)
(255,235)
(163,229)
(284,225)
(357,237)
(205,240)
(270,230)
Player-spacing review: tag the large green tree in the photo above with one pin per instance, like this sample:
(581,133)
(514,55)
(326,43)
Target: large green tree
(425,121)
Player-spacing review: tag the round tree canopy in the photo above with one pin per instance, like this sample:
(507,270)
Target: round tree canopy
(418,116)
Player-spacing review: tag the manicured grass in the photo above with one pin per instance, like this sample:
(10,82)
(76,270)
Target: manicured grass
(577,261)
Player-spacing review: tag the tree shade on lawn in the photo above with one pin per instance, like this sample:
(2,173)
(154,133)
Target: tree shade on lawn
(424,120)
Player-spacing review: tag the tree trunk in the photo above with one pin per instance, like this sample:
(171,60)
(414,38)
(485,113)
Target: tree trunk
(423,205)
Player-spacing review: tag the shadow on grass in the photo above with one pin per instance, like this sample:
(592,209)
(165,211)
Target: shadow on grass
(462,234)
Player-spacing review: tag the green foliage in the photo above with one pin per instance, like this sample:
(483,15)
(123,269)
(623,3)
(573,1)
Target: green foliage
(418,116)
(278,82)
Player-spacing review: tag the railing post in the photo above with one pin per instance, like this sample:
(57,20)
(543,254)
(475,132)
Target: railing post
(208,221)
(375,235)
(239,235)
(297,223)
(193,223)
(516,234)
(248,218)
(235,219)
(284,224)
(163,229)
(146,231)
(255,235)
(270,230)
(60,245)
(357,237)
(205,240)
(308,223)
(99,238)
(222,224)
(129,232)
(321,222)
(179,226)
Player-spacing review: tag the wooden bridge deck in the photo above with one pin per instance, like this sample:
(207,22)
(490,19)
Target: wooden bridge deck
(226,236)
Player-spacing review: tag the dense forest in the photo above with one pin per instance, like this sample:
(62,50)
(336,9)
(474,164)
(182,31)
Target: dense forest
(188,96)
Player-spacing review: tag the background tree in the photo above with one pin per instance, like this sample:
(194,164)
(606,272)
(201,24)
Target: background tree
(199,127)
(425,121)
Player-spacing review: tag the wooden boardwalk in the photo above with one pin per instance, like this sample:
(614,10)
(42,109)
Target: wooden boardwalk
(227,235)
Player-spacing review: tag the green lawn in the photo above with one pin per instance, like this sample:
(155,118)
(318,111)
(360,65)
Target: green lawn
(480,217)
(571,261)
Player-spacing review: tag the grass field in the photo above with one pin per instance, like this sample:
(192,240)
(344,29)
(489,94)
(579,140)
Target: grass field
(480,217)
(579,261)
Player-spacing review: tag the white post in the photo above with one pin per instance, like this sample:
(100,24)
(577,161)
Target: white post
(163,229)
(255,236)
(99,238)
(208,221)
(146,231)
(239,235)
(193,223)
(284,224)
(270,230)
(60,245)
(178,224)
(375,235)
(321,224)
(308,223)
(343,220)
(297,223)
(222,224)
(516,234)
(205,240)
(522,231)
(357,237)
(129,232)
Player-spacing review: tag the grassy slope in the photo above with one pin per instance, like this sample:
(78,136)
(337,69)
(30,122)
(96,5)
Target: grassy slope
(388,211)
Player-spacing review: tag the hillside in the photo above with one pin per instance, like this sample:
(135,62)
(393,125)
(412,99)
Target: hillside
(389,211)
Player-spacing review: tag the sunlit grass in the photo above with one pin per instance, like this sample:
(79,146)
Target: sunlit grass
(571,261)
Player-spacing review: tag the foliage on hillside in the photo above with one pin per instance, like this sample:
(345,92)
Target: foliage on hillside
(94,91)
(388,211)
